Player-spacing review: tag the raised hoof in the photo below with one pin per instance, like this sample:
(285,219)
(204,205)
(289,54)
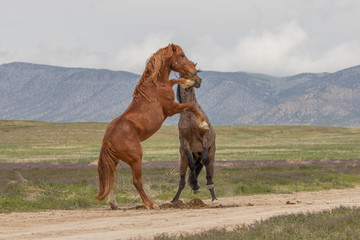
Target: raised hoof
(204,125)
(187,84)
(215,201)
(196,191)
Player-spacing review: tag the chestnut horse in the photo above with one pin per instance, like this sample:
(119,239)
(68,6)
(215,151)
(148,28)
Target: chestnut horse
(197,146)
(153,101)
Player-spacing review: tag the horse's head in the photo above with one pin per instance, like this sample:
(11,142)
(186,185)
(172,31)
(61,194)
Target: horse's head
(196,80)
(181,64)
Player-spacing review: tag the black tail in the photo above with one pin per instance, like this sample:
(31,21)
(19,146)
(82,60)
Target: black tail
(192,178)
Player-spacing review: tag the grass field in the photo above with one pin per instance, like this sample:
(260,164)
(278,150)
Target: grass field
(340,223)
(28,141)
(74,186)
(72,183)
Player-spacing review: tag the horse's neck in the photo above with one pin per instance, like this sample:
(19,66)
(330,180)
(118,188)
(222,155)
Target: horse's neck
(162,77)
(188,95)
(147,82)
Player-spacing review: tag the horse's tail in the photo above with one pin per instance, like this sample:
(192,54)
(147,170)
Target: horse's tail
(192,178)
(106,169)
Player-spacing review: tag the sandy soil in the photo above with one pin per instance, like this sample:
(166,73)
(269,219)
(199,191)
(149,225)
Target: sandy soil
(133,222)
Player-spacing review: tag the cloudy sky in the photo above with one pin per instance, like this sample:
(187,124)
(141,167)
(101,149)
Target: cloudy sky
(279,37)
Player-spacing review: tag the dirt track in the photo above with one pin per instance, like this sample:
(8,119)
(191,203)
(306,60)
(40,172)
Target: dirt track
(137,222)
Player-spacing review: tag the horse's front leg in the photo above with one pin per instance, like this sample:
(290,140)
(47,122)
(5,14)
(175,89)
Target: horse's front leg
(182,107)
(183,82)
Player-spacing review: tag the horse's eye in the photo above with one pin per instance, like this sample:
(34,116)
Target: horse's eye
(182,55)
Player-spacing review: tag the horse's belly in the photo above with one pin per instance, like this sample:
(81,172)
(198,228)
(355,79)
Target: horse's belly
(146,117)
(150,122)
(196,144)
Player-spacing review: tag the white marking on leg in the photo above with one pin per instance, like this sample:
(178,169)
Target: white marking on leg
(204,125)
(188,84)
(210,186)
(112,201)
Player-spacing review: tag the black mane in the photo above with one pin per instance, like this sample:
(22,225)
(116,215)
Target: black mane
(178,95)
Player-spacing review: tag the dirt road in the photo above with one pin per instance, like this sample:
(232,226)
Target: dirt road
(128,223)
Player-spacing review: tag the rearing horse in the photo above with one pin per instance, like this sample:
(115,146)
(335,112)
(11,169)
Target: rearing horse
(197,147)
(153,101)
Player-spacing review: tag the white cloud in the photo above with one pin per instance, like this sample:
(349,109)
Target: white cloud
(269,51)
(338,57)
(133,57)
(130,57)
(285,50)
(278,38)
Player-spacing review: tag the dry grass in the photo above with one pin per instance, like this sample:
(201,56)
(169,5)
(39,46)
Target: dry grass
(339,223)
(29,141)
(36,186)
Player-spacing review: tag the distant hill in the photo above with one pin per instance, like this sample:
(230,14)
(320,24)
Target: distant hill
(58,94)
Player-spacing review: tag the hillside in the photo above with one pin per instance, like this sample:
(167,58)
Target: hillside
(58,94)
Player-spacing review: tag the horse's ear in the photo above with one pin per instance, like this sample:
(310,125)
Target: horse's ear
(194,63)
(173,47)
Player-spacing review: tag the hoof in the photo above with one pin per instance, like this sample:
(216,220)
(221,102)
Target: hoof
(215,201)
(114,206)
(196,191)
(156,207)
(153,206)
(204,125)
(187,84)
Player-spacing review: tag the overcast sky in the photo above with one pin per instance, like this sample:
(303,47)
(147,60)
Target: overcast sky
(279,37)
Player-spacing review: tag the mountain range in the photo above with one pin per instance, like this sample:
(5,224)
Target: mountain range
(58,94)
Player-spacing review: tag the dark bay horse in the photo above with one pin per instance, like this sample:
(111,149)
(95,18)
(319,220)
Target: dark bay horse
(153,101)
(197,146)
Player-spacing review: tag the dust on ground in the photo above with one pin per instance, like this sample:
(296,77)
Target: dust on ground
(194,216)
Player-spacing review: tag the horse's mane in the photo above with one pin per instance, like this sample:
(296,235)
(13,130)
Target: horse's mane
(178,94)
(153,67)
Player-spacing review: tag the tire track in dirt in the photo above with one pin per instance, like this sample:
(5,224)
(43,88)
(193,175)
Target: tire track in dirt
(133,221)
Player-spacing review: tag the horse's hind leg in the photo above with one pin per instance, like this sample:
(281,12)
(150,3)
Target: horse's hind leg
(208,160)
(137,180)
(131,153)
(112,201)
(183,167)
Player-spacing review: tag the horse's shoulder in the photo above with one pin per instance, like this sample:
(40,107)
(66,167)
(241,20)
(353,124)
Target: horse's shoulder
(165,92)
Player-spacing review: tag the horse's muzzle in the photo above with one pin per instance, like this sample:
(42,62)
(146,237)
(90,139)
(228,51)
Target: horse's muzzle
(197,80)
